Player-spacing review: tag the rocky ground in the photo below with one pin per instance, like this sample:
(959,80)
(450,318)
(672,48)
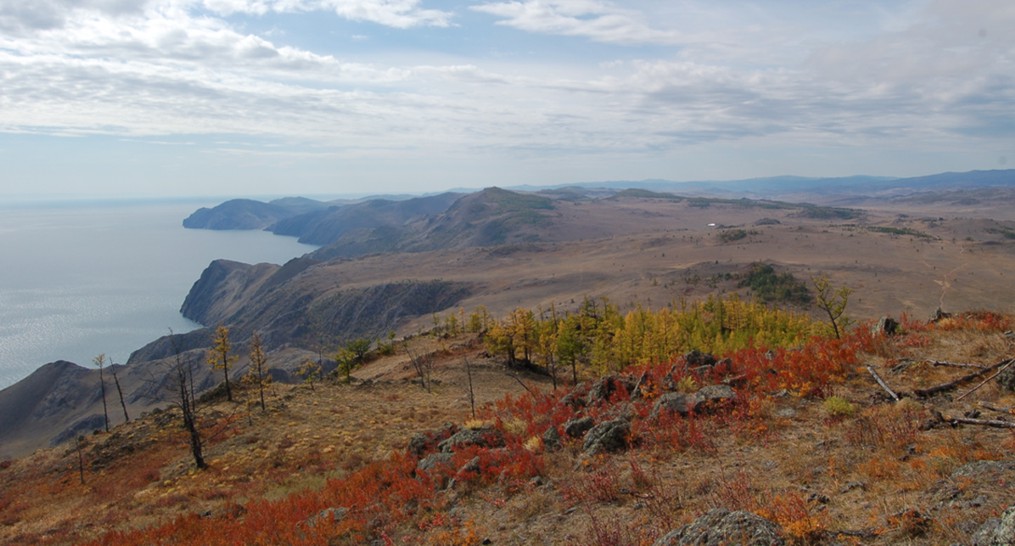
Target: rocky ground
(650,456)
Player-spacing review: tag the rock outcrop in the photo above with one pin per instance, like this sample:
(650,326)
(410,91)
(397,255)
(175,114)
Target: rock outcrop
(706,400)
(721,527)
(288,304)
(608,437)
(997,532)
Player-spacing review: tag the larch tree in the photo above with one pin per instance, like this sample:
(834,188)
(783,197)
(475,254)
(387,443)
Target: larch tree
(258,373)
(832,301)
(219,357)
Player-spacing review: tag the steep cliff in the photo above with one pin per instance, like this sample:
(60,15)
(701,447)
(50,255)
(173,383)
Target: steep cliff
(299,304)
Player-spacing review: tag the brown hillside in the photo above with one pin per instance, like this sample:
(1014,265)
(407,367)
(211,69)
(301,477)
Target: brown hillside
(836,463)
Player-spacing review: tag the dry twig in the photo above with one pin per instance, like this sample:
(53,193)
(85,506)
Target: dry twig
(985,381)
(924,393)
(994,423)
(882,383)
(955,364)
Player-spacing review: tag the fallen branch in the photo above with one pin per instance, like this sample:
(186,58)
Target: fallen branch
(882,383)
(522,383)
(997,373)
(956,364)
(991,407)
(636,391)
(995,423)
(858,533)
(924,393)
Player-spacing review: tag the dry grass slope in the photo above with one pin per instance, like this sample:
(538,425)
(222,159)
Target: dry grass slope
(835,462)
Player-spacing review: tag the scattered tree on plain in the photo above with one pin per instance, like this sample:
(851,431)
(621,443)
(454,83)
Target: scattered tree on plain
(832,301)
(310,371)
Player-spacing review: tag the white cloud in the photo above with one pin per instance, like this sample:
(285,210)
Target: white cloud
(731,75)
(393,13)
(593,19)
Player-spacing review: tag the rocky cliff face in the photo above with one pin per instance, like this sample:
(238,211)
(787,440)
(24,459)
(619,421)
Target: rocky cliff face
(298,304)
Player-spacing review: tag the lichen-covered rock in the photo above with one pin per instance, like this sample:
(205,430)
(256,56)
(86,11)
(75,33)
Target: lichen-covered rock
(697,358)
(551,439)
(483,437)
(721,527)
(1007,378)
(606,387)
(576,398)
(433,461)
(886,326)
(576,428)
(997,532)
(607,437)
(422,443)
(673,402)
(709,398)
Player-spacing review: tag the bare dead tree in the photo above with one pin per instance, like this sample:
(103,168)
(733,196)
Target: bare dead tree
(81,459)
(100,362)
(186,403)
(423,364)
(472,393)
(119,391)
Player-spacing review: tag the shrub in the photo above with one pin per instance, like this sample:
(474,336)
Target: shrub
(837,406)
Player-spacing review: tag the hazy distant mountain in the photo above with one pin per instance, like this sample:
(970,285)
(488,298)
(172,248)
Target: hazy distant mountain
(374,219)
(249,214)
(819,190)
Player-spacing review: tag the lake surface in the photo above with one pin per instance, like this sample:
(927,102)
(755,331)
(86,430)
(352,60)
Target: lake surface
(80,279)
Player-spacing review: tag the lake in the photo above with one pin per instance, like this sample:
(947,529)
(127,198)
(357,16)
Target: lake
(79,279)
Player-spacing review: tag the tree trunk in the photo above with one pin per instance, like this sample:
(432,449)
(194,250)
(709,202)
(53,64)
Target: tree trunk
(102,386)
(126,418)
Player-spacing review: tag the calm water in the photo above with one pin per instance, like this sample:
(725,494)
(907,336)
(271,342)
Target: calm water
(78,280)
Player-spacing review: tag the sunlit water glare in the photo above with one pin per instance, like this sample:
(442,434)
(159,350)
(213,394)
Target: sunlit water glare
(78,280)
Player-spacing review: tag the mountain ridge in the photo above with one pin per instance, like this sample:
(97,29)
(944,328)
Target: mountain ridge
(500,249)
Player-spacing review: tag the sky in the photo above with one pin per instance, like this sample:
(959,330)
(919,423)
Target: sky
(144,98)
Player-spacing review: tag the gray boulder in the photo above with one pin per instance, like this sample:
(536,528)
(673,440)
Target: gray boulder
(707,399)
(433,461)
(997,532)
(886,326)
(720,527)
(696,359)
(602,390)
(1007,378)
(551,439)
(607,437)
(576,428)
(673,402)
(483,437)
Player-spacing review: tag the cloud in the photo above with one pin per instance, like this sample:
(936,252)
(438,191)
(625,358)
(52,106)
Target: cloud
(732,75)
(392,13)
(592,19)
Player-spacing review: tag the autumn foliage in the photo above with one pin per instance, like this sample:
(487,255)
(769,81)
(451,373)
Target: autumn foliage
(625,363)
